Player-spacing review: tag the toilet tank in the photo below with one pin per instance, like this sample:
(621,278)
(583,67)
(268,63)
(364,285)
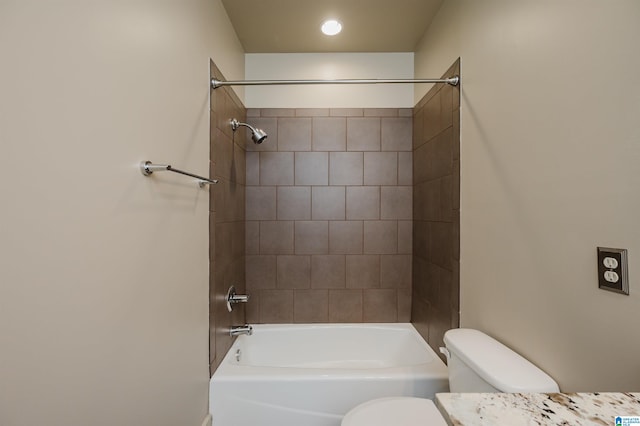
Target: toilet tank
(479,363)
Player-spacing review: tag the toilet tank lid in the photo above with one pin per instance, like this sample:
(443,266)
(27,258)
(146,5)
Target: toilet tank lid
(498,365)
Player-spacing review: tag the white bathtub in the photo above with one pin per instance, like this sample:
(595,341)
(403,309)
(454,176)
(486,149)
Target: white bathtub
(311,375)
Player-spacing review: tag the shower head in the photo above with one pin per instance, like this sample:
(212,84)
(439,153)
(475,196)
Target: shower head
(257,135)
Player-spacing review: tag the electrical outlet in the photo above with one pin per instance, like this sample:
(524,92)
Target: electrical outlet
(612,270)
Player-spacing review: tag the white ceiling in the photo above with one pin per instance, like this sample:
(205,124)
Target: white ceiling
(293,26)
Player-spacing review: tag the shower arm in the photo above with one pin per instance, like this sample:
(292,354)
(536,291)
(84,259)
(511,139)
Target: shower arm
(235,124)
(215,83)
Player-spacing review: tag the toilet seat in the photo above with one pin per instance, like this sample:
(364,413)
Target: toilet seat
(398,411)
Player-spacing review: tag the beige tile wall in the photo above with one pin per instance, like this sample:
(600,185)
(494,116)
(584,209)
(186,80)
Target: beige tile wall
(227,217)
(329,211)
(436,212)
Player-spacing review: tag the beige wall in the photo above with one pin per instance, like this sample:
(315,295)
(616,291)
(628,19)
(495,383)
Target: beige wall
(103,272)
(549,155)
(328,66)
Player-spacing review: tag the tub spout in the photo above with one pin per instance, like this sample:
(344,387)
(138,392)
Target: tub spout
(237,330)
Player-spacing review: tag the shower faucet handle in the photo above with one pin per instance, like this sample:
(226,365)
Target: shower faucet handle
(233,298)
(239,298)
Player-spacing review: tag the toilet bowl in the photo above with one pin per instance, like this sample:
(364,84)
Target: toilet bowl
(476,363)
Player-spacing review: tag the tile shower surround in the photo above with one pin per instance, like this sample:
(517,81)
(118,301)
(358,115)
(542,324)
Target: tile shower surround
(329,216)
(226,218)
(321,204)
(436,212)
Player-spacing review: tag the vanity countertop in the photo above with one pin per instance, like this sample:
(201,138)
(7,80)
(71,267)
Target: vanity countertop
(575,409)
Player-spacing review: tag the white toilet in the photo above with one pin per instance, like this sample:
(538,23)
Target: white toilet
(476,363)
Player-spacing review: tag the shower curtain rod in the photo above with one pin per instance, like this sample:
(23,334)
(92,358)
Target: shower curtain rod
(453,81)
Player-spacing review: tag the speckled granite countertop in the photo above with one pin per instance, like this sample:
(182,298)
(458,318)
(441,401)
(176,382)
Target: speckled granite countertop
(575,409)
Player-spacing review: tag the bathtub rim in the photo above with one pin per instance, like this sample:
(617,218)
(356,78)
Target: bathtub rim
(229,371)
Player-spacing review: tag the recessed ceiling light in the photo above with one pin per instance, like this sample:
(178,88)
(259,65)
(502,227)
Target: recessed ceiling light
(331,27)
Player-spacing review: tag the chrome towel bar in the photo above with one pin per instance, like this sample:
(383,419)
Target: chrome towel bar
(147,168)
